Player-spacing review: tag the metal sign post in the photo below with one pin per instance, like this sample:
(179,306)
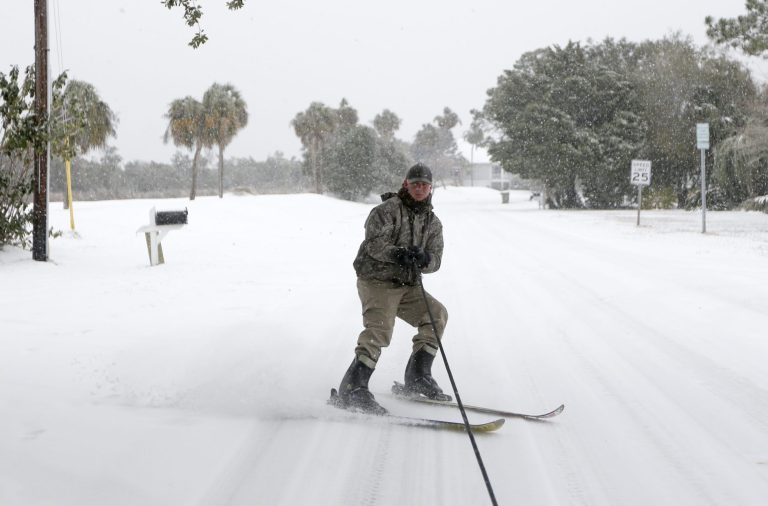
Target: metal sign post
(702,143)
(640,176)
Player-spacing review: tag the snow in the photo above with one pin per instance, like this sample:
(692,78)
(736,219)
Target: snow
(203,381)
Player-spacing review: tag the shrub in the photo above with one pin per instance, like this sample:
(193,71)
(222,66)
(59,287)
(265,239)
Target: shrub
(15,209)
(659,197)
(756,204)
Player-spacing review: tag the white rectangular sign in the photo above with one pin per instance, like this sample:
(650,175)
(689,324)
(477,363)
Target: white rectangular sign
(702,135)
(641,173)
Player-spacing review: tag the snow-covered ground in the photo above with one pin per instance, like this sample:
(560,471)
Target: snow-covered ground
(204,380)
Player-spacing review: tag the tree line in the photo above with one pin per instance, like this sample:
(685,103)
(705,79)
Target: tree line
(341,156)
(109,177)
(353,160)
(574,117)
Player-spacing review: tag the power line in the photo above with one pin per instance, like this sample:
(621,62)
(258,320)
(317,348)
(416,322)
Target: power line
(57,30)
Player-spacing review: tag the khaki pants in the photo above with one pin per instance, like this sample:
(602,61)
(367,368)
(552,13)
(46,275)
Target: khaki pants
(382,302)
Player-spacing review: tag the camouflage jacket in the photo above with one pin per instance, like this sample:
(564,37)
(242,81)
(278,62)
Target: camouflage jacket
(396,223)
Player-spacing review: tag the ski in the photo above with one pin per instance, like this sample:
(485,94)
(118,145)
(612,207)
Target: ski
(398,390)
(420,422)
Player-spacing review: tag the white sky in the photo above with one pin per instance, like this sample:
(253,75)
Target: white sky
(412,57)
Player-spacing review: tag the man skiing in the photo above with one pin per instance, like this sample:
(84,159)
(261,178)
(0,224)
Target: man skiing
(403,239)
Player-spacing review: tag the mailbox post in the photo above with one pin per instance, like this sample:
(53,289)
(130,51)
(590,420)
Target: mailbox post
(160,223)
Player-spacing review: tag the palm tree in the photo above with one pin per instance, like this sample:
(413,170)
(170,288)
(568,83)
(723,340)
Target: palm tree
(314,126)
(448,120)
(186,123)
(436,146)
(83,122)
(225,114)
(93,118)
(346,116)
(475,137)
(386,124)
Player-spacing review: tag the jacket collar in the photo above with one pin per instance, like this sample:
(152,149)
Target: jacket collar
(417,207)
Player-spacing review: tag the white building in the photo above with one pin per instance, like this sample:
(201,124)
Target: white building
(491,175)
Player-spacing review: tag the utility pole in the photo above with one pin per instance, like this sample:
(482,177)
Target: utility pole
(42,152)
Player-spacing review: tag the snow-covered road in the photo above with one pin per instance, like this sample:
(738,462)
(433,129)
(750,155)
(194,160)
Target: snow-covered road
(204,381)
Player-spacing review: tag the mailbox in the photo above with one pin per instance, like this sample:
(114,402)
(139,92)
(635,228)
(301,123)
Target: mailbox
(171,217)
(160,223)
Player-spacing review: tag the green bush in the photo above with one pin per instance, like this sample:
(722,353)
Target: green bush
(659,198)
(19,133)
(756,204)
(15,210)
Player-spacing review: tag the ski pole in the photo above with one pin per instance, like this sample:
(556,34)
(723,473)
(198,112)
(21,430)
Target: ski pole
(458,398)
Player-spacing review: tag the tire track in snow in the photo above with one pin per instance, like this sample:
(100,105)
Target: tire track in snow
(674,395)
(365,488)
(572,483)
(550,288)
(751,398)
(226,487)
(541,476)
(665,439)
(287,465)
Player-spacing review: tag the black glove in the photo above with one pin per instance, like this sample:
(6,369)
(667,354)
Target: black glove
(412,256)
(403,257)
(420,258)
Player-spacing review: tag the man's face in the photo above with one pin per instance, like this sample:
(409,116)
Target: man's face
(418,190)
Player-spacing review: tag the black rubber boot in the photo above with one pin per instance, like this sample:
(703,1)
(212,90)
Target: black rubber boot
(418,377)
(354,393)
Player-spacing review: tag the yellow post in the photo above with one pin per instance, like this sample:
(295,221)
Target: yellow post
(69,195)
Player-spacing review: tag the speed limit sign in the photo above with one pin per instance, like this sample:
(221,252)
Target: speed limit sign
(641,173)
